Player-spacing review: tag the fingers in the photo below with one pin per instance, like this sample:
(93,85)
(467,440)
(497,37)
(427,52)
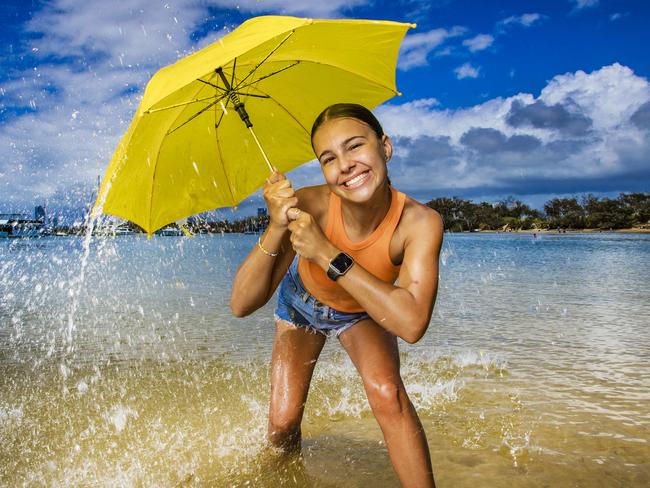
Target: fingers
(275,176)
(287,205)
(293,213)
(279,189)
(277,184)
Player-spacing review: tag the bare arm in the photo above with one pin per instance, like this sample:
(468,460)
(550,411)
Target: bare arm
(403,309)
(259,275)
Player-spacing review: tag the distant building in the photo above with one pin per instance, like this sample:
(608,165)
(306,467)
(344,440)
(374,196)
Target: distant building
(39,214)
(262,212)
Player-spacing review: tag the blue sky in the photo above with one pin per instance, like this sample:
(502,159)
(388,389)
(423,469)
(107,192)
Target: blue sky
(530,99)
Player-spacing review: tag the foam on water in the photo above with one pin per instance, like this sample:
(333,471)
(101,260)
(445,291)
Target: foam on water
(157,423)
(520,373)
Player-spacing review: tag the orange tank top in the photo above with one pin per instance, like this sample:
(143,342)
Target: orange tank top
(372,254)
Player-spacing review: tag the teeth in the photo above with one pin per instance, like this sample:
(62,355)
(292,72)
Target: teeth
(355,179)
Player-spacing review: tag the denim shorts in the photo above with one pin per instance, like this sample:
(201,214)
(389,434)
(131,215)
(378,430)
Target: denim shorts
(298,307)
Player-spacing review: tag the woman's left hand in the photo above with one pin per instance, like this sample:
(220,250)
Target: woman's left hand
(307,238)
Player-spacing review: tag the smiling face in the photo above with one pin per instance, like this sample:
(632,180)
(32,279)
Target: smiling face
(353,158)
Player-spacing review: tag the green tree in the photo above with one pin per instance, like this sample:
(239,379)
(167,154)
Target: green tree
(565,212)
(639,204)
(607,213)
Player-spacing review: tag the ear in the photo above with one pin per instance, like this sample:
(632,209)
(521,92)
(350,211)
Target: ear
(387,145)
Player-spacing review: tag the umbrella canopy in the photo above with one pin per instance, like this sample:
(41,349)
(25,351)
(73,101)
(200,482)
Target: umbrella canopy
(187,150)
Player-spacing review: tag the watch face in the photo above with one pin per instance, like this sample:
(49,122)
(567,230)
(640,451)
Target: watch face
(341,262)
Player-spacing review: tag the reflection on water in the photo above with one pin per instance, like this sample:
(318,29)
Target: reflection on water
(534,370)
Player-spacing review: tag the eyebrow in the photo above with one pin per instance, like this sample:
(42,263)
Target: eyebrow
(342,144)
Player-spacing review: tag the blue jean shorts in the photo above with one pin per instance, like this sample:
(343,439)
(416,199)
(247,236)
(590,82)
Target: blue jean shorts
(298,307)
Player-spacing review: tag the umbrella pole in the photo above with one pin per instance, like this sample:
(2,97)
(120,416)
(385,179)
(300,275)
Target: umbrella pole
(261,150)
(241,110)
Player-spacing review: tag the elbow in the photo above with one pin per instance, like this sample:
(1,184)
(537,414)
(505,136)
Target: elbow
(412,338)
(415,333)
(238,310)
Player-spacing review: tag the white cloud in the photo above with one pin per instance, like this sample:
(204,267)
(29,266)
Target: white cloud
(618,16)
(417,47)
(479,42)
(312,8)
(585,3)
(525,20)
(480,146)
(466,71)
(69,116)
(609,95)
(93,59)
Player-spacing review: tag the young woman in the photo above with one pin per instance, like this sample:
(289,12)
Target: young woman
(355,259)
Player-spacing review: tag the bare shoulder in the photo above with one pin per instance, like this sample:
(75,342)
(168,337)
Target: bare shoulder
(420,220)
(313,199)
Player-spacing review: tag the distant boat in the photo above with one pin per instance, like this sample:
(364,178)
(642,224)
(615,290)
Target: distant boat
(169,231)
(28,230)
(19,227)
(113,230)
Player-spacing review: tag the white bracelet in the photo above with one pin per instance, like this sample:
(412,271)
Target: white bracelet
(259,244)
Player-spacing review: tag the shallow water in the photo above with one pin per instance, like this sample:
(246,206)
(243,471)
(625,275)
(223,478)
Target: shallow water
(534,370)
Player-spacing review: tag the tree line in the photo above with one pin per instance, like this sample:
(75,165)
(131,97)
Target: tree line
(627,211)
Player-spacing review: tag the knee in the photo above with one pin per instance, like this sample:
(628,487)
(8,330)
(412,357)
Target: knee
(284,429)
(388,399)
(283,423)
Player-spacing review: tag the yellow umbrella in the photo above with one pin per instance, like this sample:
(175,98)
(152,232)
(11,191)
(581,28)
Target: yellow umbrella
(187,150)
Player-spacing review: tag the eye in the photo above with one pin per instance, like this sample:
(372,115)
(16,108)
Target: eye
(354,146)
(327,160)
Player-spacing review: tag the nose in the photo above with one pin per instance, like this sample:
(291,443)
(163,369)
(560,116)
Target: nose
(345,163)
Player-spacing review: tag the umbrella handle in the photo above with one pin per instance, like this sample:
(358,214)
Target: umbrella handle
(261,149)
(241,110)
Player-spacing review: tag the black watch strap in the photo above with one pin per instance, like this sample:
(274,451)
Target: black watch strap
(340,265)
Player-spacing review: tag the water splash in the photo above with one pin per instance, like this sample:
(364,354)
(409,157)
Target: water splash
(77,284)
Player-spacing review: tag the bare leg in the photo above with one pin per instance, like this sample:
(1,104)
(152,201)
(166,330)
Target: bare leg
(374,353)
(295,351)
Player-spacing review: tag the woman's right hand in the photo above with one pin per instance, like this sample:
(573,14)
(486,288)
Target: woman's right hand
(280,197)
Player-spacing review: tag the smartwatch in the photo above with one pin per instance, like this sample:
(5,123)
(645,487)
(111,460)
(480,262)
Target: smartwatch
(339,266)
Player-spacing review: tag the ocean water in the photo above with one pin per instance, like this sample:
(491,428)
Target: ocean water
(121,365)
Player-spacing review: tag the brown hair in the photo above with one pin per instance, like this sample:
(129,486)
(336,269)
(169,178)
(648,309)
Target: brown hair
(348,110)
(351,111)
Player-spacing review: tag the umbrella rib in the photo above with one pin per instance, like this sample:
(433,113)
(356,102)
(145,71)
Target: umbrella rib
(356,74)
(347,70)
(153,178)
(217,124)
(241,86)
(250,95)
(155,170)
(211,84)
(195,115)
(285,109)
(223,166)
(267,56)
(176,105)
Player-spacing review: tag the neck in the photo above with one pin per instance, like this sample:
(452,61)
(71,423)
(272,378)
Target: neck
(364,218)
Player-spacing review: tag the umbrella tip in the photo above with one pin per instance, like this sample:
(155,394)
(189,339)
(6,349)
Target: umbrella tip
(413,26)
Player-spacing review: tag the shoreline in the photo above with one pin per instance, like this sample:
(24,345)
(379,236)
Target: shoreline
(633,230)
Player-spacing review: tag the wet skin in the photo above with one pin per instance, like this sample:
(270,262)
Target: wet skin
(353,160)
